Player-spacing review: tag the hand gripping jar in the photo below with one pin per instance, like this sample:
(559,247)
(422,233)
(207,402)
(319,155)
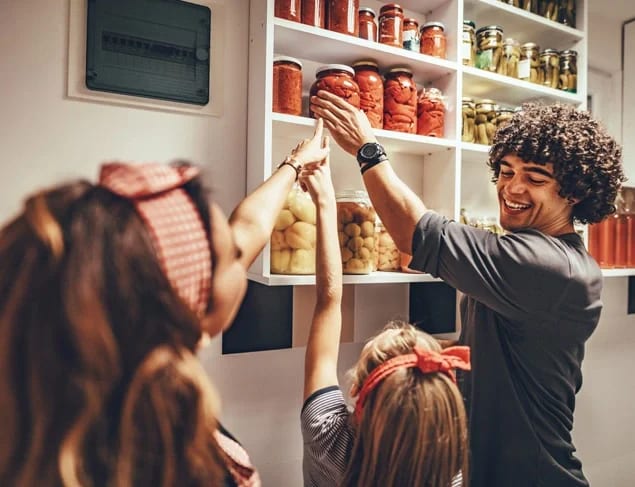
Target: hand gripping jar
(356,221)
(433,41)
(367,24)
(371,91)
(287,85)
(341,16)
(391,25)
(337,79)
(294,235)
(288,9)
(431,113)
(314,13)
(400,101)
(388,257)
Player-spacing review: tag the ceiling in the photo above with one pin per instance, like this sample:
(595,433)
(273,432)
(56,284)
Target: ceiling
(615,10)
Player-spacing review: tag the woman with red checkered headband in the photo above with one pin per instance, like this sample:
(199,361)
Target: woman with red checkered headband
(106,290)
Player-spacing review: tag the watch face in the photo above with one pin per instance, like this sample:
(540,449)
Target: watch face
(369,151)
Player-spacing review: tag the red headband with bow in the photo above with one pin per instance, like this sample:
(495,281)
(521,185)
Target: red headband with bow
(427,361)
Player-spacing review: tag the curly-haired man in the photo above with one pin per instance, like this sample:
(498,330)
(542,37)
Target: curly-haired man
(531,297)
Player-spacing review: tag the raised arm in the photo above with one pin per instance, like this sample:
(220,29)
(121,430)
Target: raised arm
(399,208)
(320,366)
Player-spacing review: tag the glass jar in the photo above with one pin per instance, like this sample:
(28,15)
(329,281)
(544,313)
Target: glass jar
(400,101)
(341,16)
(371,91)
(411,35)
(550,65)
(510,57)
(391,25)
(288,9)
(503,116)
(294,235)
(529,65)
(489,42)
(433,40)
(485,122)
(314,13)
(468,43)
(388,258)
(530,5)
(515,3)
(568,71)
(356,221)
(367,24)
(337,79)
(287,85)
(567,12)
(469,113)
(431,113)
(548,9)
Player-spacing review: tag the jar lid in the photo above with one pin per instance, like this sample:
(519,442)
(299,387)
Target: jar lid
(433,24)
(550,52)
(335,67)
(467,99)
(390,6)
(287,59)
(365,62)
(490,27)
(367,10)
(485,101)
(400,69)
(469,23)
(530,45)
(510,40)
(432,92)
(506,110)
(569,52)
(411,21)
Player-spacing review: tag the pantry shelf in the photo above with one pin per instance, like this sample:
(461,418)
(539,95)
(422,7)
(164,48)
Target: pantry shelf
(618,272)
(373,278)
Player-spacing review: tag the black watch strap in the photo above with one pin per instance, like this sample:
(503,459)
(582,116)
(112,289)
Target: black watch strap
(367,166)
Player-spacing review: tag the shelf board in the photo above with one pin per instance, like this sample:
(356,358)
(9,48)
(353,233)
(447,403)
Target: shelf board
(373,278)
(474,153)
(478,83)
(618,272)
(294,127)
(326,47)
(521,24)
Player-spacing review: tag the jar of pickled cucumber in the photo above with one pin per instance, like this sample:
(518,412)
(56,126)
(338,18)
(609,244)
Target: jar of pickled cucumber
(485,122)
(548,9)
(503,116)
(567,12)
(529,5)
(489,42)
(469,113)
(468,43)
(529,65)
(356,222)
(388,258)
(568,71)
(508,65)
(550,64)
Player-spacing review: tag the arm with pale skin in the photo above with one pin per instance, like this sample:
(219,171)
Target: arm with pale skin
(399,208)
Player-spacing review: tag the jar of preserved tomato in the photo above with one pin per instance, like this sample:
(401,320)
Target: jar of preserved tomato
(367,24)
(287,85)
(411,35)
(431,113)
(468,43)
(314,13)
(391,25)
(550,65)
(356,221)
(371,91)
(341,16)
(489,41)
(433,40)
(288,9)
(337,79)
(388,258)
(400,101)
(569,71)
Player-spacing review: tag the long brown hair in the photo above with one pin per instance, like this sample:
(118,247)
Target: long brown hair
(414,428)
(97,384)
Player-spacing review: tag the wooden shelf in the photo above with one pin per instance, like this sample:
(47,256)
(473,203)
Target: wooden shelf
(373,278)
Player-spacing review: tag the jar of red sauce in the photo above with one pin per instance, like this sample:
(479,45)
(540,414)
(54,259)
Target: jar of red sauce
(400,101)
(391,25)
(411,35)
(288,9)
(341,16)
(287,85)
(431,113)
(314,13)
(433,39)
(367,24)
(371,91)
(337,79)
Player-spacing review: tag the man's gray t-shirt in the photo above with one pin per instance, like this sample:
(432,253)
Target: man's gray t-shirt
(531,301)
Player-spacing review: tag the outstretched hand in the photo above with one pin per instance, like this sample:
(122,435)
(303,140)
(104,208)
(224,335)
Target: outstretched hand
(313,149)
(316,179)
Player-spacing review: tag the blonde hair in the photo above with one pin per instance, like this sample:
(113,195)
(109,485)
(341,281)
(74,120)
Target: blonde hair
(413,430)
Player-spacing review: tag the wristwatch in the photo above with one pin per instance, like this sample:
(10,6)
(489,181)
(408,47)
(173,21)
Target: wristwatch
(370,154)
(291,161)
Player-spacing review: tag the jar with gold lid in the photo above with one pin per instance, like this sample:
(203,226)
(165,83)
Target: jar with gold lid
(489,42)
(468,115)
(287,85)
(468,43)
(371,91)
(356,222)
(337,79)
(485,122)
(288,9)
(391,25)
(568,71)
(314,13)
(367,24)
(433,40)
(529,65)
(400,101)
(431,113)
(341,16)
(550,65)
(411,35)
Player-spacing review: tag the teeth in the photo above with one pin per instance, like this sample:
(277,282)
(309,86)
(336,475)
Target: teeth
(516,206)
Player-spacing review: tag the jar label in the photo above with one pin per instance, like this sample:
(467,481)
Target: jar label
(524,69)
(411,41)
(466,50)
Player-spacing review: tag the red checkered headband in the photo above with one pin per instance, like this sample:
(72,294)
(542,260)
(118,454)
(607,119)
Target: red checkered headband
(173,221)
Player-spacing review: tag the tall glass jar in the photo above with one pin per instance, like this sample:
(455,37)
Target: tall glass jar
(485,122)
(550,64)
(287,85)
(341,16)
(569,71)
(391,25)
(529,65)
(529,5)
(489,42)
(468,132)
(356,221)
(400,101)
(548,9)
(371,91)
(503,116)
(288,9)
(468,43)
(567,12)
(367,24)
(433,40)
(337,79)
(314,13)
(388,258)
(431,113)
(411,35)
(510,57)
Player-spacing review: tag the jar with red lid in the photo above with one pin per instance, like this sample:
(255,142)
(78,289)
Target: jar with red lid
(289,10)
(314,13)
(367,24)
(411,35)
(287,85)
(337,79)
(391,25)
(431,113)
(400,101)
(371,91)
(433,40)
(341,16)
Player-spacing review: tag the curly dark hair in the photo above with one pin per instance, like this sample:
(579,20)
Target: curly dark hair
(587,161)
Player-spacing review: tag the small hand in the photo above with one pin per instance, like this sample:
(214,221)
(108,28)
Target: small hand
(348,125)
(313,149)
(316,179)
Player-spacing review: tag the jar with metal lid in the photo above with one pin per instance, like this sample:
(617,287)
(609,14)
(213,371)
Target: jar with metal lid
(356,221)
(367,24)
(400,101)
(411,35)
(388,258)
(503,116)
(550,64)
(489,41)
(288,9)
(468,43)
(337,79)
(371,91)
(508,65)
(341,16)
(431,113)
(391,25)
(294,235)
(469,113)
(548,9)
(485,122)
(569,71)
(314,13)
(529,65)
(287,85)
(567,12)
(433,40)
